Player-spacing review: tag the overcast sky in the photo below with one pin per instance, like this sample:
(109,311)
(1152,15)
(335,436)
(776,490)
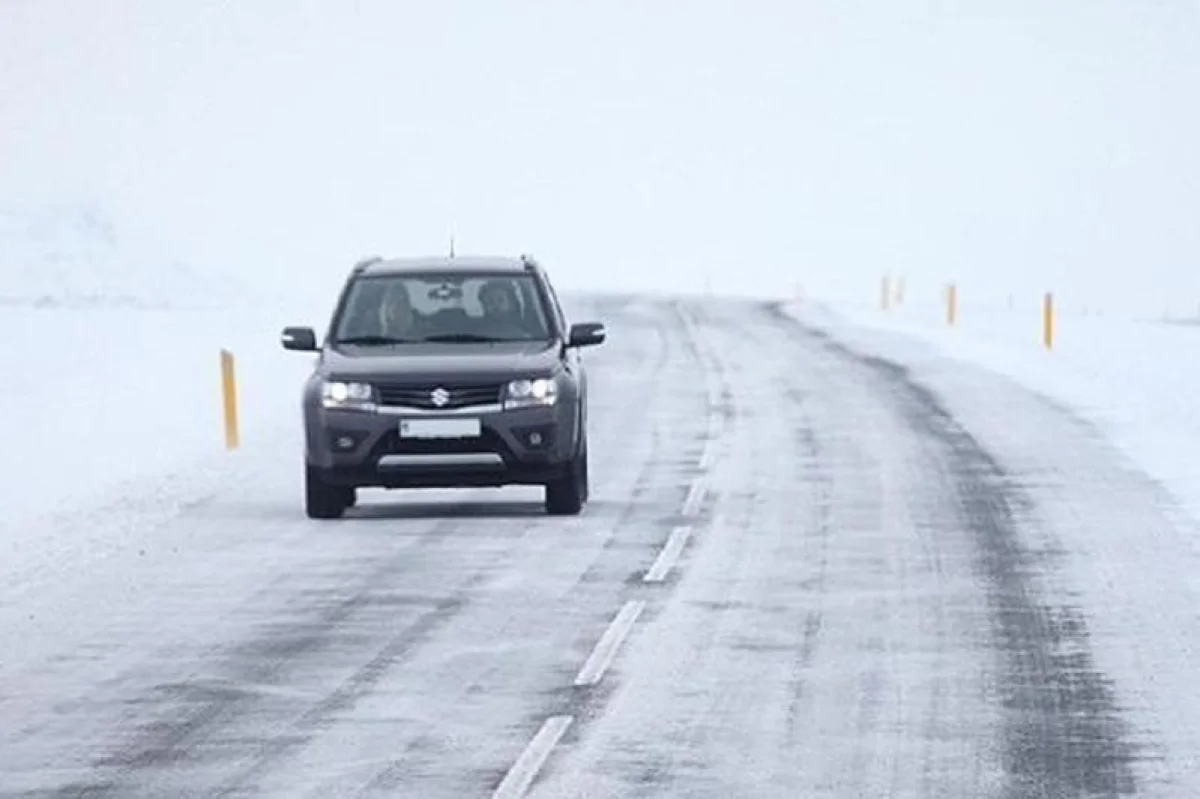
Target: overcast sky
(1009,145)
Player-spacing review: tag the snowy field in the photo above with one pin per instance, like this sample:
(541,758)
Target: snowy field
(74,256)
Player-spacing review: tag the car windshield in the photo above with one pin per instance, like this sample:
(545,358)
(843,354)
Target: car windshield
(389,310)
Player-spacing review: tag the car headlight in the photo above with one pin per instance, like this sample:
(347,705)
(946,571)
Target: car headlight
(530,393)
(340,395)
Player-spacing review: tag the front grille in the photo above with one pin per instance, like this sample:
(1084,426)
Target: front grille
(465,396)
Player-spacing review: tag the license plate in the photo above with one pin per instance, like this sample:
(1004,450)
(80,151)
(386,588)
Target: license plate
(440,428)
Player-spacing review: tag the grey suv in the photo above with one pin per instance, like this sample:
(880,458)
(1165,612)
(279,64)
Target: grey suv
(442,373)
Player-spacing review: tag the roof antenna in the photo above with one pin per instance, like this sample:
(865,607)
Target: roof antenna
(452,245)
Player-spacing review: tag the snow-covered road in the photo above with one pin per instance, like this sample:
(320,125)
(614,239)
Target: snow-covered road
(804,572)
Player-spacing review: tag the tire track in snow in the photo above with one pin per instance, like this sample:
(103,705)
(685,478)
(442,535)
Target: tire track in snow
(1064,735)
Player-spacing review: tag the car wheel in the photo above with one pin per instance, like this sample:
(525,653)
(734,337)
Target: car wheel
(321,500)
(567,495)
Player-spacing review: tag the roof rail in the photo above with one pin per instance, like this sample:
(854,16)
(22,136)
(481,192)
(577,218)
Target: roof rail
(365,262)
(529,261)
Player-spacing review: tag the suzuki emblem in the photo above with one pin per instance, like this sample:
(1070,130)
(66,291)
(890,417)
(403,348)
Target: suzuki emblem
(440,397)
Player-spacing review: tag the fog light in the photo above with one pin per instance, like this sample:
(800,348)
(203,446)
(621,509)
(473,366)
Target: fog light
(540,437)
(345,442)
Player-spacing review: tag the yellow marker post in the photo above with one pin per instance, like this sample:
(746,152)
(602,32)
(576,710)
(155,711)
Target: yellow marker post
(1048,321)
(229,398)
(951,304)
(885,292)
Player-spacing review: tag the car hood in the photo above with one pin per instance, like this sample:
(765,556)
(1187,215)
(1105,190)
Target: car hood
(426,363)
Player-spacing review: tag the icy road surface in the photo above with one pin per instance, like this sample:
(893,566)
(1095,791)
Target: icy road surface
(799,576)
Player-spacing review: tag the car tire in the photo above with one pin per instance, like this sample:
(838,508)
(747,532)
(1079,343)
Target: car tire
(321,500)
(567,495)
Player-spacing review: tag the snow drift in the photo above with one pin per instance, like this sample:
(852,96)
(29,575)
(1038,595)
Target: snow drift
(74,256)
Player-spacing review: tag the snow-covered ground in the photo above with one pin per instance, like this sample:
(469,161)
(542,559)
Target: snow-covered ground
(113,407)
(114,419)
(74,256)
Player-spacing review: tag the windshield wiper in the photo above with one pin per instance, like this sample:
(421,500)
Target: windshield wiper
(379,341)
(464,338)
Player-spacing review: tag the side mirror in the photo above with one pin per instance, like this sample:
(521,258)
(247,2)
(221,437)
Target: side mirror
(587,334)
(300,339)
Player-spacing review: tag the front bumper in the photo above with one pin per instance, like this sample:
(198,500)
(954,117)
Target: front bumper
(521,446)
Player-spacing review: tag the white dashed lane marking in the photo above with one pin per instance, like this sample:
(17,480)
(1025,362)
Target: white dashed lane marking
(606,648)
(695,498)
(669,555)
(518,779)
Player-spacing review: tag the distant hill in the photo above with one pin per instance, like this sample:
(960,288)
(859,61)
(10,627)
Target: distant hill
(75,257)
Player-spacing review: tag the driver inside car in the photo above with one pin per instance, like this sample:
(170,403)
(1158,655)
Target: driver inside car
(397,317)
(502,310)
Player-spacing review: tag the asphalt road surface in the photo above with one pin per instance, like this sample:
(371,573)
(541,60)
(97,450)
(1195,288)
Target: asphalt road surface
(799,576)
